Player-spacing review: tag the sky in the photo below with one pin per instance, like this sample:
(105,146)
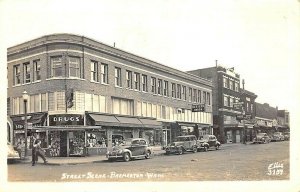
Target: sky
(257,38)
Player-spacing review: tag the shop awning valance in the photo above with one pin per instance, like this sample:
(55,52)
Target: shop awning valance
(151,123)
(65,128)
(122,121)
(35,119)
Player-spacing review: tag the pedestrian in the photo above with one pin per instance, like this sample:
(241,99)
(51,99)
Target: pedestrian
(38,152)
(33,151)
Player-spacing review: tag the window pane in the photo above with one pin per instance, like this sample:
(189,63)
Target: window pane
(37,103)
(17,73)
(56,66)
(60,99)
(43,102)
(51,101)
(102,104)
(37,70)
(74,66)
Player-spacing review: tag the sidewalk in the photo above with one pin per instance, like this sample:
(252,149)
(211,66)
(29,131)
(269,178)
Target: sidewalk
(82,160)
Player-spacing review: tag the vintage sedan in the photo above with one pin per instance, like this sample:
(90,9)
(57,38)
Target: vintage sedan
(130,149)
(277,136)
(211,140)
(262,138)
(183,144)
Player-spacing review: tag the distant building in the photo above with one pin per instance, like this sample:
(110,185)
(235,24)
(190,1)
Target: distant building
(226,93)
(86,94)
(269,119)
(283,120)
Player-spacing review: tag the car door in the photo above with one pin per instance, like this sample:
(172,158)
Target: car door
(134,148)
(212,141)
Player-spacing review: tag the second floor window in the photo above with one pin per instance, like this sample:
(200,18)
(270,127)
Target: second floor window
(56,67)
(166,88)
(74,67)
(194,95)
(208,98)
(236,86)
(153,85)
(17,75)
(226,101)
(104,73)
(190,94)
(26,73)
(199,96)
(94,71)
(144,83)
(184,92)
(230,84)
(159,87)
(37,70)
(178,91)
(129,79)
(136,81)
(173,90)
(225,82)
(118,77)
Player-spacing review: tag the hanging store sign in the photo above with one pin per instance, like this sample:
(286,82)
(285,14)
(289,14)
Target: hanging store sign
(65,119)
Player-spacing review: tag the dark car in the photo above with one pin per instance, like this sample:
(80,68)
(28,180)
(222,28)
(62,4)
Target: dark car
(262,138)
(286,136)
(211,140)
(130,149)
(277,136)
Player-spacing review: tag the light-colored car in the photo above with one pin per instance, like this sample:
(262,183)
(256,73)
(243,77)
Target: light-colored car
(12,153)
(130,149)
(185,143)
(262,138)
(277,136)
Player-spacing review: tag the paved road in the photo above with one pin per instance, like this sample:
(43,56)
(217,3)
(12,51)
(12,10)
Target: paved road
(231,163)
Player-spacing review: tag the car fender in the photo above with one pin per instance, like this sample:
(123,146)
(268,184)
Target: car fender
(127,151)
(148,149)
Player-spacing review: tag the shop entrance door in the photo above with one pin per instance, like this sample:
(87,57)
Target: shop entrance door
(229,136)
(63,144)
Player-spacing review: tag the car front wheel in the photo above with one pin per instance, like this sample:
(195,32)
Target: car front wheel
(205,148)
(126,157)
(194,149)
(147,155)
(180,151)
(217,147)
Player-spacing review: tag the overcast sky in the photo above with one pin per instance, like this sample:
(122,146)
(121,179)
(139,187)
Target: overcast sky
(257,38)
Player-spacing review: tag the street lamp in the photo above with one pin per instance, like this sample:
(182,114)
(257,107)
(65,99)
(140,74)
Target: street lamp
(25,99)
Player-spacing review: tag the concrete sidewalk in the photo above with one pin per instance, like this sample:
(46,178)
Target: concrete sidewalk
(157,151)
(82,160)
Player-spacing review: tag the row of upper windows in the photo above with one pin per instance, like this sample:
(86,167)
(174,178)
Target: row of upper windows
(229,101)
(134,80)
(230,83)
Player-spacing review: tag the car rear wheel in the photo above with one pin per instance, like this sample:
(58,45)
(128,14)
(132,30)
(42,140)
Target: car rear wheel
(126,157)
(147,155)
(194,149)
(180,151)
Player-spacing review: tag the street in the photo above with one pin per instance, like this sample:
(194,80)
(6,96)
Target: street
(233,162)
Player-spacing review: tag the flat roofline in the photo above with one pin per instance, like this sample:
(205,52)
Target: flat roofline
(44,40)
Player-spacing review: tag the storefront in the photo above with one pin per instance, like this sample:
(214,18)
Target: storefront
(118,128)
(33,120)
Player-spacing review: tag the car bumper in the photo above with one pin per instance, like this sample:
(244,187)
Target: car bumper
(172,150)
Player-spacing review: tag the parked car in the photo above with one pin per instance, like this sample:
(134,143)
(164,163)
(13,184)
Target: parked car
(286,136)
(130,149)
(185,143)
(211,140)
(12,154)
(277,136)
(262,138)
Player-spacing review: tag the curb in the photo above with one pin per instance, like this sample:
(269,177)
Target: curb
(101,158)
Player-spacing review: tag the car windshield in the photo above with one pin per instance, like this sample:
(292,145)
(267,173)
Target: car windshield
(182,139)
(261,134)
(206,137)
(126,142)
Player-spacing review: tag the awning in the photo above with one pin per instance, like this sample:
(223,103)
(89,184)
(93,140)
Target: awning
(129,122)
(122,121)
(35,119)
(151,123)
(105,120)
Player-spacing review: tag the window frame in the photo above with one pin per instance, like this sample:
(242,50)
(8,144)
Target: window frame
(104,73)
(118,77)
(27,73)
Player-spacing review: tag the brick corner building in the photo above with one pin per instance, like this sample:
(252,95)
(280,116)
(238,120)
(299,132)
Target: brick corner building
(85,96)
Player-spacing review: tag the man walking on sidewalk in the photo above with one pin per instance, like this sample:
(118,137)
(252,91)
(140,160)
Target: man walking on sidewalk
(38,151)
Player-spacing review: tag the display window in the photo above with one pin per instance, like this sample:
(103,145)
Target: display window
(76,143)
(96,139)
(54,143)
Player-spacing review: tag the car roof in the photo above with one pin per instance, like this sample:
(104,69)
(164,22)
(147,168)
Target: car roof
(187,136)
